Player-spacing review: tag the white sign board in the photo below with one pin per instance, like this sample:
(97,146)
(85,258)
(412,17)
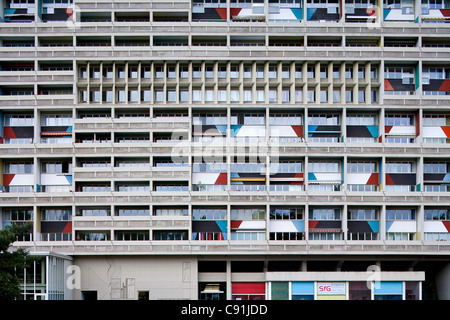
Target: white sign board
(331,288)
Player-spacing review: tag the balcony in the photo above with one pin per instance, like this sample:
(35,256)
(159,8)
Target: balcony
(304,247)
(130,172)
(170,123)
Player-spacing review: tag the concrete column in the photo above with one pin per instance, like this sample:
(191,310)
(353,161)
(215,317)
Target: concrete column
(344,222)
(228,285)
(443,283)
(383,223)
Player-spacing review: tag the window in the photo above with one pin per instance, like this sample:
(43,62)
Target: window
(93,236)
(323,72)
(169,235)
(303,290)
(121,235)
(222,72)
(362,236)
(247,96)
(19,120)
(171,96)
(400,236)
(361,96)
(298,73)
(396,214)
(259,72)
(435,167)
(56,167)
(221,95)
(336,96)
(361,120)
(373,95)
(324,214)
(133,187)
(325,236)
(19,168)
(281,119)
(196,72)
(107,72)
(234,95)
(286,213)
(133,96)
(248,235)
(184,72)
(196,95)
(324,166)
(210,119)
(285,72)
(209,95)
(247,167)
(56,120)
(260,95)
(145,95)
(286,236)
(405,74)
(400,167)
(120,96)
(298,95)
(132,211)
(170,211)
(272,95)
(107,96)
(171,72)
(132,163)
(273,71)
(94,163)
(286,166)
(359,290)
(248,214)
(56,214)
(202,229)
(234,72)
(434,120)
(247,72)
(95,188)
(159,72)
(360,221)
(94,72)
(19,215)
(94,212)
(311,72)
(83,73)
(362,214)
(184,95)
(349,73)
(323,96)
(399,120)
(209,72)
(120,72)
(361,73)
(159,96)
(256,119)
(171,188)
(438,214)
(323,119)
(362,167)
(348,96)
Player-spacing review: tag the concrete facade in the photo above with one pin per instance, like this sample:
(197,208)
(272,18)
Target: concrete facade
(160,146)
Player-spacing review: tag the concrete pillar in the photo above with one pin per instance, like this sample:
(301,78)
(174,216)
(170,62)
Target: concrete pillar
(443,283)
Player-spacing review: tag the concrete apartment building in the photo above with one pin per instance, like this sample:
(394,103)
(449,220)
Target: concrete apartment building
(228,149)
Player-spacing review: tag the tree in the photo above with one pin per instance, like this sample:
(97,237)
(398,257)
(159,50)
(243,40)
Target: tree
(12,263)
(200,186)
